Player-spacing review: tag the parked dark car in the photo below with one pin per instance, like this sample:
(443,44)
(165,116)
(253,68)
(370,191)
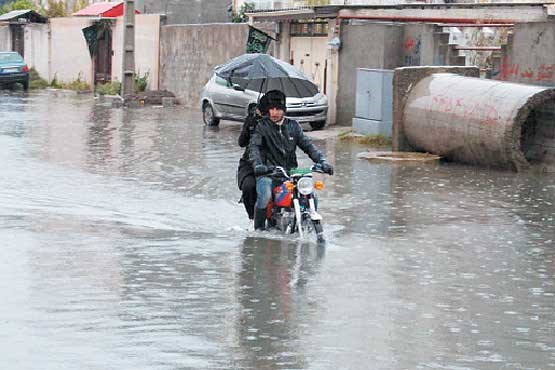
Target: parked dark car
(13,69)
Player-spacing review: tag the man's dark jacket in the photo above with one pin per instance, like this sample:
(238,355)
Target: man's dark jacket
(245,165)
(275,145)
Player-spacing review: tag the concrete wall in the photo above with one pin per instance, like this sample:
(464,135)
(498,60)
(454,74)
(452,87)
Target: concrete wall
(529,56)
(147,44)
(503,11)
(379,45)
(188,11)
(364,45)
(5,38)
(147,48)
(421,45)
(69,54)
(36,48)
(188,53)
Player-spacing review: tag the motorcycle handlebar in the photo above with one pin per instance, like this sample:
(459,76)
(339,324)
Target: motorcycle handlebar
(317,167)
(279,171)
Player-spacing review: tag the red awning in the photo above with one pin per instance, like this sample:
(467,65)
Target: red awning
(102,10)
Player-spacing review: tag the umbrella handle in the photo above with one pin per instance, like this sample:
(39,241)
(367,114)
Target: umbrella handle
(260,91)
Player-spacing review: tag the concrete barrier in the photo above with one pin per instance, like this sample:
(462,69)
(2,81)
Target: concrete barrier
(188,54)
(478,121)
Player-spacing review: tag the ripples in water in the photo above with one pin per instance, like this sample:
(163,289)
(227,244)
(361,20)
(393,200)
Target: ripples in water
(124,247)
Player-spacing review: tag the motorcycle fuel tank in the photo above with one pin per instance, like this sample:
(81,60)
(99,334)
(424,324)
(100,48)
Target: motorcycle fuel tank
(282,196)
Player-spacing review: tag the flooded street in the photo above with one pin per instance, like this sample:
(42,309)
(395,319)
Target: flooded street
(124,247)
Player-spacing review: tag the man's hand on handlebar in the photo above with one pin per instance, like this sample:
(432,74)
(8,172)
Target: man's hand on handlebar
(325,167)
(262,169)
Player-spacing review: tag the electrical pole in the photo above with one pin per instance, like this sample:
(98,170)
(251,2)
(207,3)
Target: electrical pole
(128,62)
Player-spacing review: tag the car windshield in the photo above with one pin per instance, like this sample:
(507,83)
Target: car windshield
(10,57)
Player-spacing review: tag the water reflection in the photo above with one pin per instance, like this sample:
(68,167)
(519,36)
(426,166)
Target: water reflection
(274,309)
(100,136)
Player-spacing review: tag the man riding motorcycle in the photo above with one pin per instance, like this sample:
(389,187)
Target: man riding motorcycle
(273,143)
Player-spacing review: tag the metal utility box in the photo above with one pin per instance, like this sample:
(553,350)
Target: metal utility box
(374,102)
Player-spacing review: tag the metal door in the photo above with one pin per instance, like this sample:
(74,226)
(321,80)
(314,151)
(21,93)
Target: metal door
(103,59)
(18,38)
(369,95)
(309,54)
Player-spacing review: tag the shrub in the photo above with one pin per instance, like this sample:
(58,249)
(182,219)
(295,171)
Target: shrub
(141,82)
(55,9)
(18,5)
(241,17)
(112,88)
(54,83)
(78,84)
(35,81)
(371,140)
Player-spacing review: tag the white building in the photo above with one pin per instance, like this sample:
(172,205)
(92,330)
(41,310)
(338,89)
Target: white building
(300,4)
(275,4)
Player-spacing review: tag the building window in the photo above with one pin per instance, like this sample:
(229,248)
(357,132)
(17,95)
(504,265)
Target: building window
(309,29)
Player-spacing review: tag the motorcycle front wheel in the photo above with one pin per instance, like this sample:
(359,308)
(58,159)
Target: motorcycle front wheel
(313,227)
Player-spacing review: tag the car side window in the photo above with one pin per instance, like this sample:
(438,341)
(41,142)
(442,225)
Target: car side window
(221,81)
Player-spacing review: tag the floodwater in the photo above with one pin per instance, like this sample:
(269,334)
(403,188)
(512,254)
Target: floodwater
(124,247)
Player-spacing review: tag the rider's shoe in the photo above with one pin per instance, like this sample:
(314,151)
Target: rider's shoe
(260,219)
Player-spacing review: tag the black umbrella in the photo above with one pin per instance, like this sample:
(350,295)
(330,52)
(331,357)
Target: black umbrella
(262,73)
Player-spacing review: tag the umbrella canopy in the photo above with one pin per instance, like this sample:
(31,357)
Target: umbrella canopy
(291,87)
(262,73)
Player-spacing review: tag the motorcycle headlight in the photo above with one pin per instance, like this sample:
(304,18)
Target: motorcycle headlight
(305,185)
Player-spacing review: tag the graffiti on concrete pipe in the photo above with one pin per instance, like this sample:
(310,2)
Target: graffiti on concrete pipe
(484,113)
(475,120)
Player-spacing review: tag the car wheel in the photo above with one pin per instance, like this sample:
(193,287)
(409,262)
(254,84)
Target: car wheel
(318,125)
(25,85)
(208,115)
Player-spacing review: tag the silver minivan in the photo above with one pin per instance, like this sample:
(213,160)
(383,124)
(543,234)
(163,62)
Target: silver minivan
(222,99)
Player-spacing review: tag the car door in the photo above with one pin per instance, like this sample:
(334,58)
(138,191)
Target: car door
(219,92)
(238,101)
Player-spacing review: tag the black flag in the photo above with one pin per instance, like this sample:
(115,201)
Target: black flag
(90,34)
(258,41)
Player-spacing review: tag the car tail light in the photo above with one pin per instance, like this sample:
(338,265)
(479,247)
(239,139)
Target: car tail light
(25,69)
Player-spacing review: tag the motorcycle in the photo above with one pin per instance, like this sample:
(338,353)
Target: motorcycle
(293,205)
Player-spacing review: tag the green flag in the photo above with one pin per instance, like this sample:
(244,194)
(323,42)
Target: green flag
(258,41)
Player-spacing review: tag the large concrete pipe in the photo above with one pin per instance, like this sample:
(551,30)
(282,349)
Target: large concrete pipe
(482,121)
